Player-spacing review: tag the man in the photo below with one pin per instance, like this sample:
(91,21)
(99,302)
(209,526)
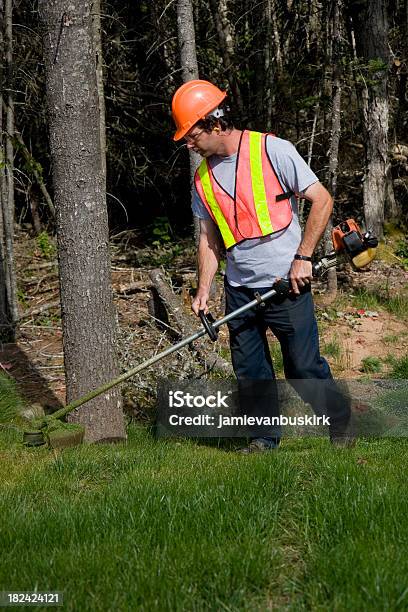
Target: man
(245,197)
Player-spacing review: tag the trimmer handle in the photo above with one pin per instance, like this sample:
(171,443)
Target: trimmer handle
(207,321)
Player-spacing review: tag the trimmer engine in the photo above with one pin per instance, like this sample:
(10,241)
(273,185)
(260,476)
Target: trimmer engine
(348,240)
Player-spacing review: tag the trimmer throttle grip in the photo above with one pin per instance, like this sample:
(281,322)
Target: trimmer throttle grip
(207,321)
(282,287)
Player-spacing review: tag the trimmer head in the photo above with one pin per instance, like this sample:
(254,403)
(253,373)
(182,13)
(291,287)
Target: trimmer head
(55,434)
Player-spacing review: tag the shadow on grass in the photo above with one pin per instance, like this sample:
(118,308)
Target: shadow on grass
(31,385)
(223,444)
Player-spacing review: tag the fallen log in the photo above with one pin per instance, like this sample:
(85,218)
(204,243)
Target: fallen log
(39,310)
(175,309)
(136,287)
(41,265)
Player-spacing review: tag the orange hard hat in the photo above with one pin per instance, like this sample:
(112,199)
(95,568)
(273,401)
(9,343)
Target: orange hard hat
(192,102)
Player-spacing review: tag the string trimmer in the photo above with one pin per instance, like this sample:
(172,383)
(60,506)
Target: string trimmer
(349,244)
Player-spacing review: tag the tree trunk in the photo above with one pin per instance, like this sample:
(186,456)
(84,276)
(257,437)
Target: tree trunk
(88,317)
(189,67)
(34,203)
(4,320)
(8,301)
(273,56)
(335,131)
(371,24)
(267,97)
(4,311)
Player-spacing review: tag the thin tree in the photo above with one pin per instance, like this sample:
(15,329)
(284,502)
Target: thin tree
(4,321)
(8,285)
(88,318)
(371,29)
(189,69)
(272,59)
(337,76)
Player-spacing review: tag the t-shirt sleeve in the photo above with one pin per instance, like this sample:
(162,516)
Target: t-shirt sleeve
(292,170)
(198,206)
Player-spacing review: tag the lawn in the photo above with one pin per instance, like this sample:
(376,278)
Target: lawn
(179,525)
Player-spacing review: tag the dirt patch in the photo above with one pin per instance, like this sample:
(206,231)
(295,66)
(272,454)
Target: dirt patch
(360,337)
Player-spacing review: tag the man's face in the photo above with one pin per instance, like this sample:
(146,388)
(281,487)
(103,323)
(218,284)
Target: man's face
(201,141)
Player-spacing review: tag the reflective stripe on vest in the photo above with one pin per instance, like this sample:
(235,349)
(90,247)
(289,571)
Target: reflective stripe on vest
(260,206)
(219,218)
(258,183)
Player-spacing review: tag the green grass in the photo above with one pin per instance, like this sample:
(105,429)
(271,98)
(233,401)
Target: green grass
(391,339)
(371,364)
(368,300)
(277,358)
(396,305)
(168,525)
(332,348)
(399,366)
(11,403)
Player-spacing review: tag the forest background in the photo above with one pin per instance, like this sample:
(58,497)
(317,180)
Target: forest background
(288,66)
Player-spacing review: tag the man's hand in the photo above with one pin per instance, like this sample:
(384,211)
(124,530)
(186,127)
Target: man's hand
(300,274)
(200,302)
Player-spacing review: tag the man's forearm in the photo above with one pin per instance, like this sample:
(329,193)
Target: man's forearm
(208,256)
(316,223)
(208,259)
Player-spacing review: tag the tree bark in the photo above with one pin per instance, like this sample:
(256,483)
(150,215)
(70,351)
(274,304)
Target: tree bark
(4,320)
(189,67)
(275,37)
(371,23)
(268,88)
(34,201)
(335,131)
(88,318)
(8,301)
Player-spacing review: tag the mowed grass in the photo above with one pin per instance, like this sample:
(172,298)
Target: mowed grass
(181,525)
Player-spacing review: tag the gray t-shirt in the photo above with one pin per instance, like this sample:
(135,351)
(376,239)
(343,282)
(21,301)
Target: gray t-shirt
(258,262)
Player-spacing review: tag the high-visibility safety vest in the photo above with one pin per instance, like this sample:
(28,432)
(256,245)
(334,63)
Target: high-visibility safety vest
(260,205)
